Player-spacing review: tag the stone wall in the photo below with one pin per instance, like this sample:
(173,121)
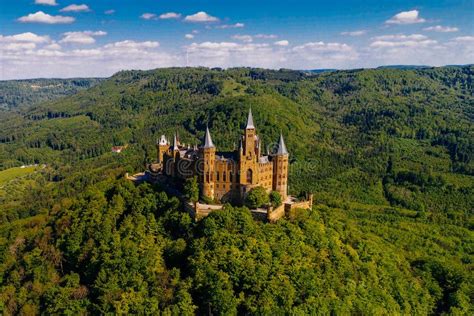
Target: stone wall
(275,214)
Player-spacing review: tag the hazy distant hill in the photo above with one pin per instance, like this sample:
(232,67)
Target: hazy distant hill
(15,93)
(388,153)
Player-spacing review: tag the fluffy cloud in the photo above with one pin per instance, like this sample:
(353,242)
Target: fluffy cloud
(148,16)
(201,17)
(28,59)
(243,38)
(133,45)
(85,37)
(324,55)
(442,29)
(41,17)
(406,17)
(170,15)
(230,26)
(401,40)
(76,8)
(266,36)
(46,2)
(25,37)
(282,43)
(355,33)
(464,39)
(23,41)
(109,12)
(189,36)
(229,54)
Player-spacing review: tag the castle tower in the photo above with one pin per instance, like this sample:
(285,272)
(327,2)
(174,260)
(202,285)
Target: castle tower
(250,138)
(162,146)
(248,163)
(209,155)
(280,169)
(175,148)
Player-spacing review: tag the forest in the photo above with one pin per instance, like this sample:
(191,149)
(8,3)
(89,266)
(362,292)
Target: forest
(387,153)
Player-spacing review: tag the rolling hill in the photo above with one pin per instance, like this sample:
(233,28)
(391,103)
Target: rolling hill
(388,153)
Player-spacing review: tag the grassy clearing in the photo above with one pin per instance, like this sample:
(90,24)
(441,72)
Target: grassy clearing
(13,173)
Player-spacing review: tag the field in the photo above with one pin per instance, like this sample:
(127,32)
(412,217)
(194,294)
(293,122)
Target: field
(14,173)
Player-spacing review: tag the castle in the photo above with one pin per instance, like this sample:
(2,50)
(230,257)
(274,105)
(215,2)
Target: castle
(226,176)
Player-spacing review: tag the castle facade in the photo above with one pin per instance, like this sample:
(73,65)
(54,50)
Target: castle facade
(227,176)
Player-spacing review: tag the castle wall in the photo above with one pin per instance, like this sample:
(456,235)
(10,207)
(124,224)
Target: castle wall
(265,175)
(226,180)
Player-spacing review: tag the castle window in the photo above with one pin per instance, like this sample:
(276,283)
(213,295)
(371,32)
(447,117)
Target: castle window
(224,176)
(249,176)
(217,176)
(207,177)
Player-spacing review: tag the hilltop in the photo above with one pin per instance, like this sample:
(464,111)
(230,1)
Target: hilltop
(388,154)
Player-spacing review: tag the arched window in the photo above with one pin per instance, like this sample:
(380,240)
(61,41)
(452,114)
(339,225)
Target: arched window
(224,176)
(249,176)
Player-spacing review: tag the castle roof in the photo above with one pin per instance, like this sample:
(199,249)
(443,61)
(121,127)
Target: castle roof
(281,147)
(250,120)
(163,140)
(208,140)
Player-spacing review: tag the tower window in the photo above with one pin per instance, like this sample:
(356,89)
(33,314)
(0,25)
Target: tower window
(224,176)
(249,176)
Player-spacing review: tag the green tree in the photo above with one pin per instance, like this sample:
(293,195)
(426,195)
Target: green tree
(257,197)
(191,189)
(275,198)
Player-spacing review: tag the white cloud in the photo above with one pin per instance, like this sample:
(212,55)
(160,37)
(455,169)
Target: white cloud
(282,43)
(109,12)
(230,26)
(355,33)
(46,2)
(52,46)
(25,37)
(189,36)
(325,55)
(41,17)
(243,38)
(406,17)
(266,36)
(401,40)
(464,39)
(170,15)
(85,37)
(76,8)
(19,46)
(51,60)
(133,44)
(442,29)
(23,41)
(201,16)
(148,16)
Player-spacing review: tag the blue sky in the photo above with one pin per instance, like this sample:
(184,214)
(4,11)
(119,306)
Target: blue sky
(62,38)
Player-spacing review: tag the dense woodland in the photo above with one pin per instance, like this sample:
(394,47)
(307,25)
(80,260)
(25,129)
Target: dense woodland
(17,93)
(388,154)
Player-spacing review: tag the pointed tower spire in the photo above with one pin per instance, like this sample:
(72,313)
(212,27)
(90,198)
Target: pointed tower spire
(281,147)
(175,143)
(208,140)
(250,120)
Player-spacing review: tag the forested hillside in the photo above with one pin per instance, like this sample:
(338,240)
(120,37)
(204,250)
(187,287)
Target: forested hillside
(30,92)
(388,154)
